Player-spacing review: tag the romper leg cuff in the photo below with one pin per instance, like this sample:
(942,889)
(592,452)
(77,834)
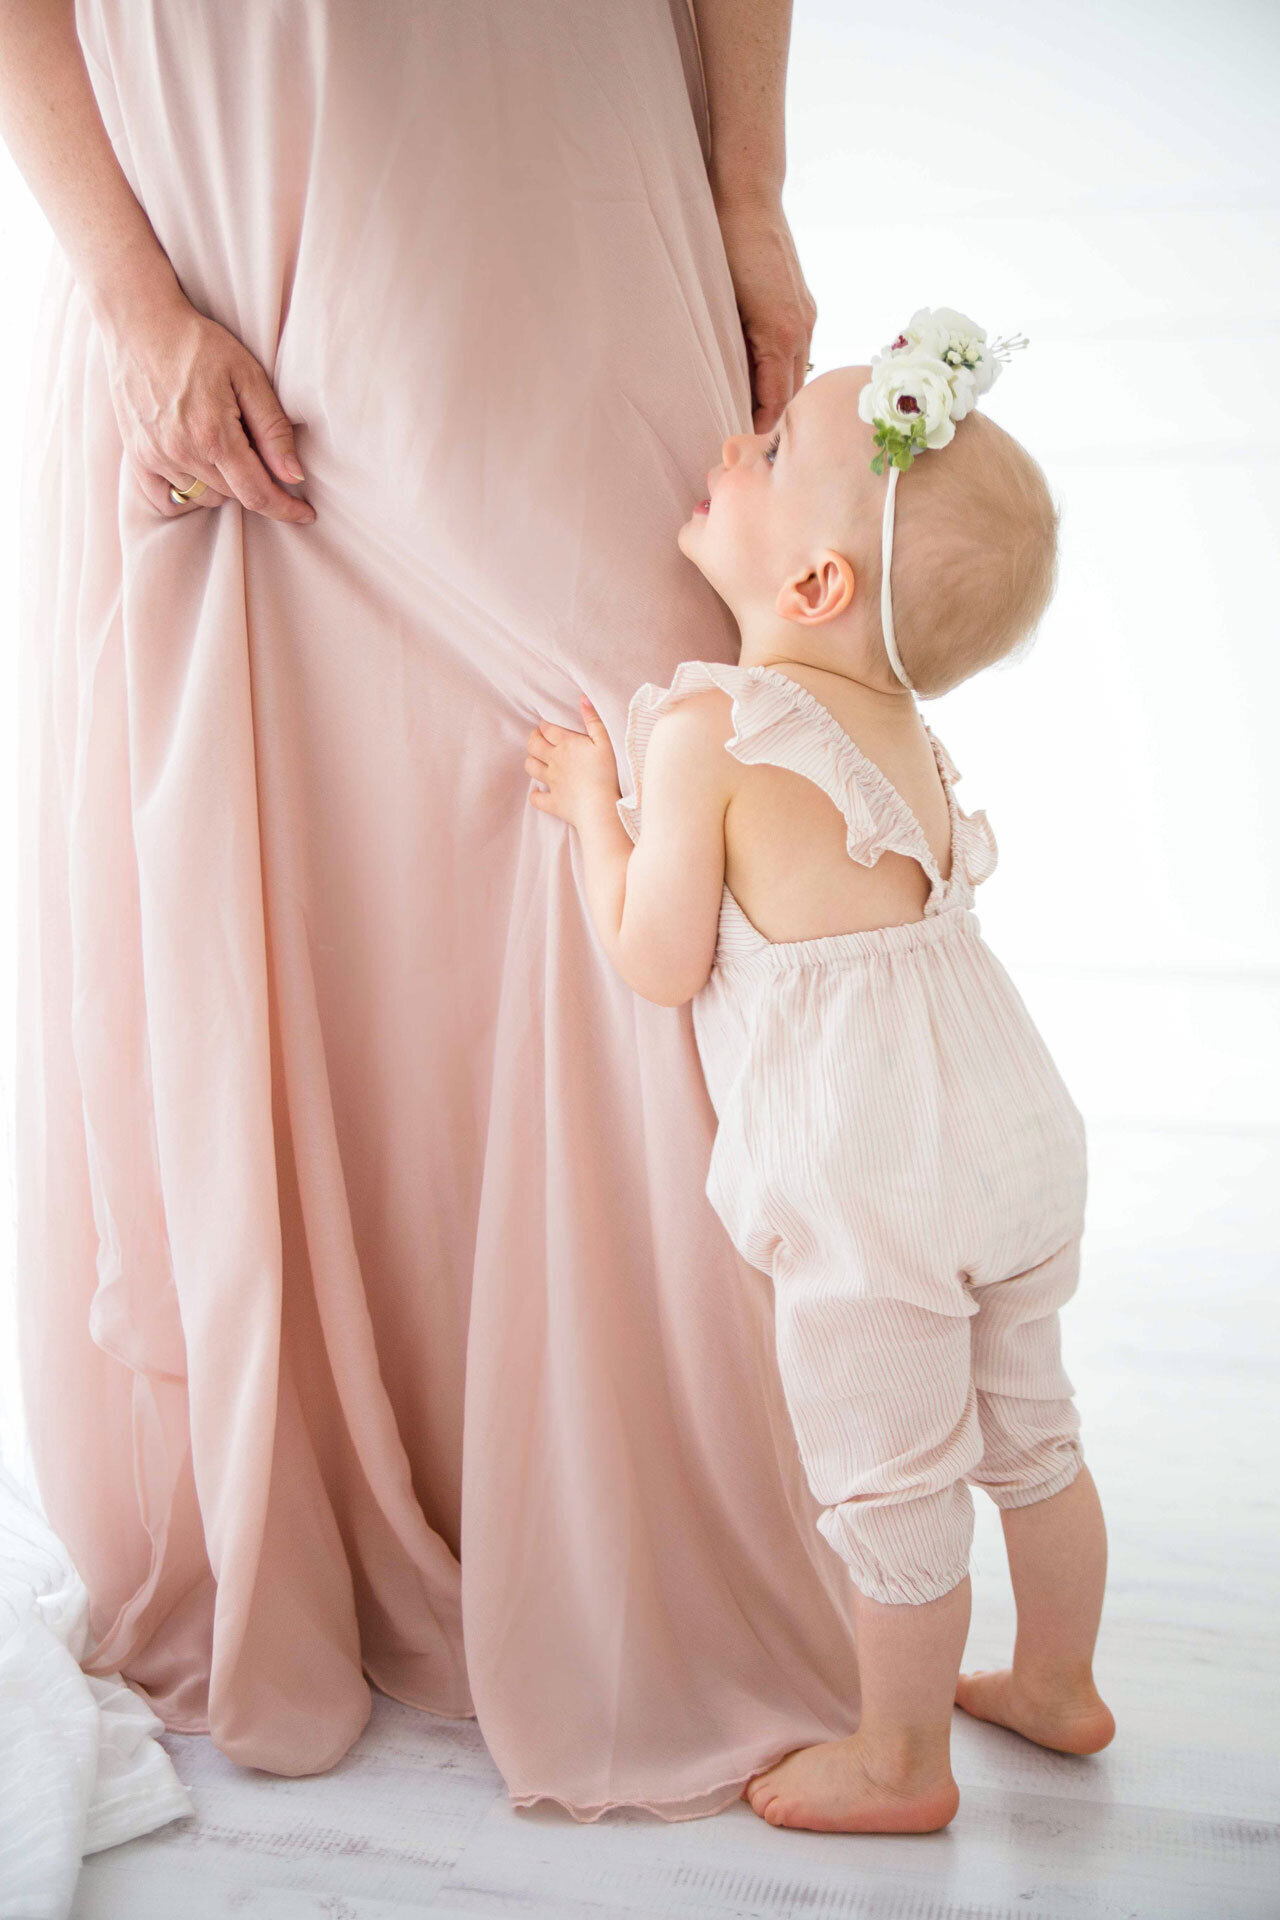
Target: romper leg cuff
(904,1553)
(1007,1497)
(915,1593)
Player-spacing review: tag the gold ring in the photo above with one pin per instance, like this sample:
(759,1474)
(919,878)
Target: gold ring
(808,367)
(181,496)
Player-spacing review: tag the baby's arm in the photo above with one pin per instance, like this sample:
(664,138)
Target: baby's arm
(655,905)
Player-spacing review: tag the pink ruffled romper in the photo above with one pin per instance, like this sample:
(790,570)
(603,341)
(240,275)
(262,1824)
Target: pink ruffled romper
(897,1150)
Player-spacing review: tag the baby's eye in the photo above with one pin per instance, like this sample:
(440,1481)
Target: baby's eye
(773,446)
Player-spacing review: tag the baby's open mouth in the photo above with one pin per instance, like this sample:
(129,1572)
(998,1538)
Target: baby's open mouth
(703,506)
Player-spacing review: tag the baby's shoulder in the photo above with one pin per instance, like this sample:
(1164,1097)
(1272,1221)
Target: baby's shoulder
(689,737)
(700,715)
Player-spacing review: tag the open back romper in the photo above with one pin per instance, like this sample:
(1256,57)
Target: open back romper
(897,1150)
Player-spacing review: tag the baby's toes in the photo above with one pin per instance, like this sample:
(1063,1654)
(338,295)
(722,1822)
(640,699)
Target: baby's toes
(771,1808)
(760,1791)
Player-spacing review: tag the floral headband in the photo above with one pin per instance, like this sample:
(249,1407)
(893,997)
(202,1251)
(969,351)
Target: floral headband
(920,385)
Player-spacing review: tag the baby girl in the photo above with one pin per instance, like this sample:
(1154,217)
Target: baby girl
(895,1147)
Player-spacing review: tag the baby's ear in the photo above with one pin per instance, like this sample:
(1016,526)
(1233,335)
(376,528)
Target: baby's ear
(818,594)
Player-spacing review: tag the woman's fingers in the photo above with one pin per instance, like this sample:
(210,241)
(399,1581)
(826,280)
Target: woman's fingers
(268,424)
(773,389)
(156,487)
(248,481)
(192,402)
(775,306)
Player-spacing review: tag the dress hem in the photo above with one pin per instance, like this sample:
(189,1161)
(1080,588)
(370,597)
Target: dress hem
(722,1793)
(730,1789)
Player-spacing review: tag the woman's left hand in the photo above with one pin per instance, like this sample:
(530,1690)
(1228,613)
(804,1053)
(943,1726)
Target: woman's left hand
(775,306)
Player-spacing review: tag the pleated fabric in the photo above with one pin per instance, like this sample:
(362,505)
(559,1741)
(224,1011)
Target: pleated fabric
(375,1324)
(897,1151)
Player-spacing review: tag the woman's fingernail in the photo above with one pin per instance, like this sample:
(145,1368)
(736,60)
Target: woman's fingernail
(292,468)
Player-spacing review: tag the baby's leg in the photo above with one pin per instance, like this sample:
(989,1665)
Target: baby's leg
(1054,1532)
(886,1418)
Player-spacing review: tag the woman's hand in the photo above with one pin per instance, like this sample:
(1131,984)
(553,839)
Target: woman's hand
(775,306)
(578,770)
(194,404)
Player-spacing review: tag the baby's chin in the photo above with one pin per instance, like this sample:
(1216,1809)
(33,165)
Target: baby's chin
(687,538)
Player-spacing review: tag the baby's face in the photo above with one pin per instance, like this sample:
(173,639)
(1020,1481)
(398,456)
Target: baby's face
(778,499)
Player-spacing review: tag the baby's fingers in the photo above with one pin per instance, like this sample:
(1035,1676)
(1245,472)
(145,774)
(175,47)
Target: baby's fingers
(596,730)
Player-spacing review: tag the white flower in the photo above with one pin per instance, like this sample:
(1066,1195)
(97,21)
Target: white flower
(906,387)
(965,391)
(956,340)
(926,379)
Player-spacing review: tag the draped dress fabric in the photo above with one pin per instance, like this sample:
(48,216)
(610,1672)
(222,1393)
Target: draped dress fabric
(375,1324)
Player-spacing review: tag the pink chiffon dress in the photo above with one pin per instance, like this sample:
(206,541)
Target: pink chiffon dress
(376,1328)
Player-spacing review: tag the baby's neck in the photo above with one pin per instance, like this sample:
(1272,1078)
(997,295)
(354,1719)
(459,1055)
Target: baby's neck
(783,645)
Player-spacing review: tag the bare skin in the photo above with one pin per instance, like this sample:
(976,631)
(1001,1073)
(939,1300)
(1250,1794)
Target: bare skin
(193,404)
(894,1774)
(744,46)
(1058,1563)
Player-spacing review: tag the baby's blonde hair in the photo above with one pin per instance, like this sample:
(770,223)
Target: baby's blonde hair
(975,553)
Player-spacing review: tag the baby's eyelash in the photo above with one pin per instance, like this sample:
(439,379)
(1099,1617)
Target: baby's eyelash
(773,445)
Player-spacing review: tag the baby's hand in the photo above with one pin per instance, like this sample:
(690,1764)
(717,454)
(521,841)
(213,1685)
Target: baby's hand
(578,769)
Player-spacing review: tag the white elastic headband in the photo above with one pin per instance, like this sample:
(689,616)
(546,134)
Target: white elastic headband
(922,383)
(886,597)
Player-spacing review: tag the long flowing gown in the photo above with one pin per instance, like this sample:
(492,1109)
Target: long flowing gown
(375,1324)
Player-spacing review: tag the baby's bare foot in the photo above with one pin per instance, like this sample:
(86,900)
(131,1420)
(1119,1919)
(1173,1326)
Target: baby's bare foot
(1072,1720)
(840,1787)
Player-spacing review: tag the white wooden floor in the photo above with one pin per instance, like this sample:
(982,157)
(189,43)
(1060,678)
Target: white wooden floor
(1171,1344)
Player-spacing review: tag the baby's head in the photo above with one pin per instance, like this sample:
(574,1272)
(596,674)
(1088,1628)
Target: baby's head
(791,538)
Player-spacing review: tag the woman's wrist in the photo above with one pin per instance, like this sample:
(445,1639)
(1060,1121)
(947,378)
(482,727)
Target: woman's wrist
(755,191)
(131,290)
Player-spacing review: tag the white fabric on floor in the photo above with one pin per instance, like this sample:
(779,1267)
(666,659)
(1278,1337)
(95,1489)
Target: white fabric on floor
(80,1767)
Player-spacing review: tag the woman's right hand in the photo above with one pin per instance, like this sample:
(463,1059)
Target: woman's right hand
(194,404)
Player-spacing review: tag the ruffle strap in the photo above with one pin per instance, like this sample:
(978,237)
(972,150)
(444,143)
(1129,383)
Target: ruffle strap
(650,702)
(973,844)
(779,723)
(974,850)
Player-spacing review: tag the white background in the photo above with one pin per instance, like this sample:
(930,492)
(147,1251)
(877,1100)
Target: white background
(1103,178)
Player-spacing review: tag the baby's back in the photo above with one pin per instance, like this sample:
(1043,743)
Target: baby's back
(786,856)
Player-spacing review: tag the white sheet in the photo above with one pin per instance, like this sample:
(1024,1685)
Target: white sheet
(80,1767)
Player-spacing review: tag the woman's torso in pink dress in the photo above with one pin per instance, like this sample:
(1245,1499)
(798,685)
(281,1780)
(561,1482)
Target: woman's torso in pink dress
(371,1298)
